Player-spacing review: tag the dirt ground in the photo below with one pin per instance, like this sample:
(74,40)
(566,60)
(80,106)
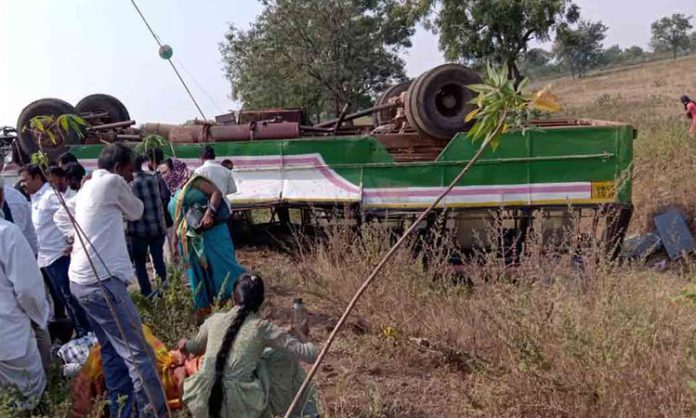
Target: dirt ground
(366,374)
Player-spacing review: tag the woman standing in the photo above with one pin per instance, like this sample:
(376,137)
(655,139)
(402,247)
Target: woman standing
(174,172)
(240,376)
(202,239)
(690,109)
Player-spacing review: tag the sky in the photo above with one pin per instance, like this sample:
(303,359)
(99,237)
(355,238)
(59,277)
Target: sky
(69,49)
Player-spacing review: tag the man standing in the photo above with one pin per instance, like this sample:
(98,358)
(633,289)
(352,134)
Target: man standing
(16,209)
(75,173)
(65,159)
(99,273)
(215,172)
(147,233)
(228,164)
(54,248)
(23,303)
(154,159)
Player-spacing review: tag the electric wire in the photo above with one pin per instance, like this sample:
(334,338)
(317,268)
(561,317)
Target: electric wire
(200,87)
(176,71)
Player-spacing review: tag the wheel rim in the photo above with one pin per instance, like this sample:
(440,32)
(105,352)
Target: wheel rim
(385,115)
(439,100)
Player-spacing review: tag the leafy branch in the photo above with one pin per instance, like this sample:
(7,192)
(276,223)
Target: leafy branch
(500,106)
(149,143)
(51,131)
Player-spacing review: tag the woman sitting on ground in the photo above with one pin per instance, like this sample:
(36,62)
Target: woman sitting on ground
(205,246)
(240,376)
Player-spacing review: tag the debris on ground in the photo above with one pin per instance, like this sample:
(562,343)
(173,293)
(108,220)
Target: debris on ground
(642,246)
(675,234)
(671,240)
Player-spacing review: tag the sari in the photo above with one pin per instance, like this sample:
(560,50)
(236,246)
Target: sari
(209,255)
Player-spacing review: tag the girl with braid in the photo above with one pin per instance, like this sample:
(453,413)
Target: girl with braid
(250,367)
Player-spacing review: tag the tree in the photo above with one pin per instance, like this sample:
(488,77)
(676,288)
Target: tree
(612,55)
(633,53)
(537,57)
(580,49)
(326,53)
(536,62)
(692,42)
(671,33)
(478,30)
(258,84)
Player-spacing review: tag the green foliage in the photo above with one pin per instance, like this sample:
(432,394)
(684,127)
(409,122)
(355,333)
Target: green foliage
(633,53)
(611,55)
(580,49)
(501,105)
(151,142)
(257,83)
(498,30)
(536,62)
(171,316)
(40,158)
(614,55)
(671,33)
(318,54)
(49,131)
(53,129)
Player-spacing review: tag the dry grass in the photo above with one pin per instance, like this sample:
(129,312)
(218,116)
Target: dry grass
(563,342)
(662,82)
(553,341)
(545,340)
(664,155)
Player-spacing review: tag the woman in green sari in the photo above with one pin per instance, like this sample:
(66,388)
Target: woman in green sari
(206,248)
(250,366)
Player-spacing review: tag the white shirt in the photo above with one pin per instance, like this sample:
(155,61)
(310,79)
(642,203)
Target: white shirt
(22,294)
(52,244)
(21,215)
(220,176)
(99,208)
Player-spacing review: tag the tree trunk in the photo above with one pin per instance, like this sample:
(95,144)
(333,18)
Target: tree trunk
(514,72)
(674,53)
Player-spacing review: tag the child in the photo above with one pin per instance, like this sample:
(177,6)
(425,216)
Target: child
(690,108)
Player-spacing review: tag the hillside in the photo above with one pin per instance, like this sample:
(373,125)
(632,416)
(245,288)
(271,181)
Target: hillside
(647,97)
(660,83)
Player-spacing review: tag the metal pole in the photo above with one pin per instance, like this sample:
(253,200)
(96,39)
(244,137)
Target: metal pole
(105,126)
(358,114)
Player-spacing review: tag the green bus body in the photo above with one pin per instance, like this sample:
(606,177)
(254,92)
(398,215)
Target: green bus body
(570,165)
